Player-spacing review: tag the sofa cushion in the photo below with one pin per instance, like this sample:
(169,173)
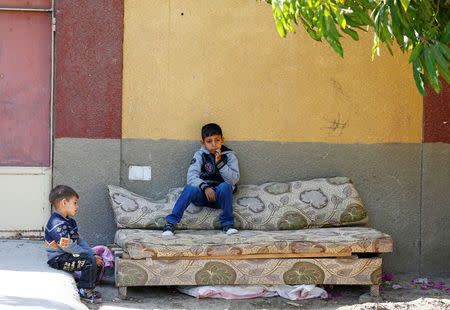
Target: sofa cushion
(270,206)
(316,242)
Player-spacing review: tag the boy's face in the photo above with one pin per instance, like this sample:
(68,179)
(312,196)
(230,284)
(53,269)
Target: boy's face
(213,143)
(68,206)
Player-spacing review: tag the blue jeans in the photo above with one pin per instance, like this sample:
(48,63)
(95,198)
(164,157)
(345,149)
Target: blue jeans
(193,194)
(83,262)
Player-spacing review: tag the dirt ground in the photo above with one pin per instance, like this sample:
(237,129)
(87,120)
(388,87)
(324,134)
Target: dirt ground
(409,296)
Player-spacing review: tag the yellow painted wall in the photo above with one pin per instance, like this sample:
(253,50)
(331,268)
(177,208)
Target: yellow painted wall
(190,62)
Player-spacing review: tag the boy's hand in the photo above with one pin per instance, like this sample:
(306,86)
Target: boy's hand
(218,155)
(210,194)
(99,261)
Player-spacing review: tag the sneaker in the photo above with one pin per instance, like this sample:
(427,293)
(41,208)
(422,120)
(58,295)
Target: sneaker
(229,229)
(89,295)
(168,230)
(98,294)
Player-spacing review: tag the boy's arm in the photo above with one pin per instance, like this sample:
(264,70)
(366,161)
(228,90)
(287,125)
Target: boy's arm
(230,170)
(67,245)
(194,171)
(73,248)
(85,246)
(61,239)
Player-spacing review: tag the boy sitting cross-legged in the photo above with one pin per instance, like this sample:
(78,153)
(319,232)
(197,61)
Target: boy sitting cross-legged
(66,250)
(211,178)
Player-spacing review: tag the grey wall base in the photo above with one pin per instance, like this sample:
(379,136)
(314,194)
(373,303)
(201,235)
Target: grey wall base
(435,215)
(89,165)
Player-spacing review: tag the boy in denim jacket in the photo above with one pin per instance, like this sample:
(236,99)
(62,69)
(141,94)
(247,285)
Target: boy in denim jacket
(66,250)
(211,178)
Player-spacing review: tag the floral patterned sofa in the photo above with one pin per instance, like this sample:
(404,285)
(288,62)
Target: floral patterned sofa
(303,232)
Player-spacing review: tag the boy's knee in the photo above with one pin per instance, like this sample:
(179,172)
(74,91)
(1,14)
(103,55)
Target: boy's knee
(225,187)
(189,189)
(88,259)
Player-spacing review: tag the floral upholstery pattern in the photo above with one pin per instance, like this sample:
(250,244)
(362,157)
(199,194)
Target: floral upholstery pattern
(140,243)
(248,272)
(272,206)
(271,219)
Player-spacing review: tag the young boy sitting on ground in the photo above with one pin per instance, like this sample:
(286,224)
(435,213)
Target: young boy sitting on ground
(66,250)
(211,178)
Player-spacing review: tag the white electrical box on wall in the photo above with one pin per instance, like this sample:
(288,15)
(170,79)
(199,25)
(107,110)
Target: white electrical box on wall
(140,173)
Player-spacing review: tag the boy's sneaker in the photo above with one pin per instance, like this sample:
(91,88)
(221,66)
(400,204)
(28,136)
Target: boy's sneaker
(97,294)
(168,230)
(89,295)
(229,229)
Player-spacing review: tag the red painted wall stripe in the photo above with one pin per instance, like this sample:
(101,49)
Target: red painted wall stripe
(88,69)
(437,115)
(36,4)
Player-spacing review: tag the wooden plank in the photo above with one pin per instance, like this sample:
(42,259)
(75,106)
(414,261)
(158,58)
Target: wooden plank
(123,292)
(375,290)
(264,256)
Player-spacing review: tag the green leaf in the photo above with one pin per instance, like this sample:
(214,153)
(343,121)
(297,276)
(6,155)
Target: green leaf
(341,20)
(334,43)
(351,33)
(389,49)
(430,65)
(331,28)
(444,73)
(363,15)
(431,32)
(376,46)
(445,50)
(415,52)
(316,36)
(405,4)
(418,77)
(321,25)
(446,34)
(280,28)
(400,14)
(439,58)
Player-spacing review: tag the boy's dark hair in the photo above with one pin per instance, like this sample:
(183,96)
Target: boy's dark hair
(210,130)
(60,192)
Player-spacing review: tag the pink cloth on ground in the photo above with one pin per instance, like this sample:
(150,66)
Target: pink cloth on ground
(106,254)
(108,259)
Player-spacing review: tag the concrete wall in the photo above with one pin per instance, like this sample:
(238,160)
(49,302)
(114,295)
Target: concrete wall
(435,210)
(290,108)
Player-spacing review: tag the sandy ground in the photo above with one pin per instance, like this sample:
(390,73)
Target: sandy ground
(350,297)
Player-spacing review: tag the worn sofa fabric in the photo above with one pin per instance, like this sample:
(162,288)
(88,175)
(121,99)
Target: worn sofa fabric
(302,232)
(270,206)
(365,271)
(139,244)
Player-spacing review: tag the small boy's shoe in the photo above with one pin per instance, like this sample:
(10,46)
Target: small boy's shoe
(97,294)
(168,230)
(229,229)
(89,295)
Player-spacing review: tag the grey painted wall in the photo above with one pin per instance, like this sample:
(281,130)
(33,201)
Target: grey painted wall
(436,208)
(88,166)
(387,176)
